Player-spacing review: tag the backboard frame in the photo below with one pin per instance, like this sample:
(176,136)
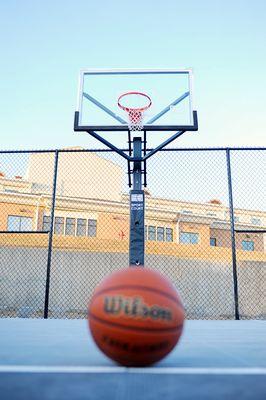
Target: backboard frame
(122,125)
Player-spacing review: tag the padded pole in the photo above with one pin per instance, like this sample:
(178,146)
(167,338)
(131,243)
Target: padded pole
(136,235)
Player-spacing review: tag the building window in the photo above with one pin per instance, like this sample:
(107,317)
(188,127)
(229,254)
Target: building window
(18,223)
(247,245)
(187,211)
(92,227)
(59,225)
(189,238)
(70,226)
(255,221)
(151,233)
(46,223)
(169,234)
(211,214)
(213,242)
(160,234)
(236,219)
(81,227)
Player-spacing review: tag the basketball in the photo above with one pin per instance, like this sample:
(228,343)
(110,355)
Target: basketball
(136,316)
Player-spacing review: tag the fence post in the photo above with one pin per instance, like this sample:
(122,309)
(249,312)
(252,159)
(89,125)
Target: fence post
(50,243)
(232,227)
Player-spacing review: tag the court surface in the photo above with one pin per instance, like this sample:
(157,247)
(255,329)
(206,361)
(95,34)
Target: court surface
(56,359)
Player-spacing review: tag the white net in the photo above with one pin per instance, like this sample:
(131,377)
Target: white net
(134,105)
(135,118)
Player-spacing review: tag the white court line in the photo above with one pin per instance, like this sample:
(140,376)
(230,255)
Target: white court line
(115,370)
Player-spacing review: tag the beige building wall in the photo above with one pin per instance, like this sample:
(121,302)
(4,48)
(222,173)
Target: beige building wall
(98,196)
(80,174)
(113,220)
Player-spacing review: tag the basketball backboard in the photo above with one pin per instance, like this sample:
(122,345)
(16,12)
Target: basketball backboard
(170,91)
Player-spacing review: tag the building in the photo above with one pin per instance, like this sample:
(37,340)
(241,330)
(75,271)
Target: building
(94,206)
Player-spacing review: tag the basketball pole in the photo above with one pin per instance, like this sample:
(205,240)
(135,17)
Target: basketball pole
(137,195)
(137,209)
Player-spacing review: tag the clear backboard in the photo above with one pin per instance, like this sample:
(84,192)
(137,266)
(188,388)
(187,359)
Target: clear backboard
(170,92)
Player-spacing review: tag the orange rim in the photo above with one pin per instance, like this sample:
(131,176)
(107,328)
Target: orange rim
(132,108)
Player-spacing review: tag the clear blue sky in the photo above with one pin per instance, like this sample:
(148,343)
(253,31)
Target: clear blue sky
(45,44)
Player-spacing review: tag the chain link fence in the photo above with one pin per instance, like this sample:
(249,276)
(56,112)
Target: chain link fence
(64,225)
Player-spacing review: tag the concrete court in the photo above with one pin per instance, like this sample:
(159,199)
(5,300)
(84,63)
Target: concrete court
(56,359)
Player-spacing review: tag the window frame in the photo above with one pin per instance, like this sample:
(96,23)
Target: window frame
(78,225)
(167,234)
(161,233)
(152,230)
(215,242)
(60,224)
(255,221)
(20,219)
(73,225)
(92,226)
(248,242)
(46,223)
(189,235)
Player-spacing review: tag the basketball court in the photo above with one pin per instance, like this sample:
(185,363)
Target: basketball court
(133,242)
(57,359)
(50,359)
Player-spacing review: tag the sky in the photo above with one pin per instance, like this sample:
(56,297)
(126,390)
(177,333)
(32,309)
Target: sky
(45,44)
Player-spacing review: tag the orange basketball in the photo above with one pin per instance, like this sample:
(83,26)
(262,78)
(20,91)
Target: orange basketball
(136,316)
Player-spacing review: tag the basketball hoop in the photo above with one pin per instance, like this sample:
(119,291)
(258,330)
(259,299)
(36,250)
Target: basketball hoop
(135,114)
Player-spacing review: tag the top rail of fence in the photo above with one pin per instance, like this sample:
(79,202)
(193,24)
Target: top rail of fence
(188,149)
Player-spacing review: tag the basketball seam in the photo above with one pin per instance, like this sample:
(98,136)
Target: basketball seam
(135,328)
(139,287)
